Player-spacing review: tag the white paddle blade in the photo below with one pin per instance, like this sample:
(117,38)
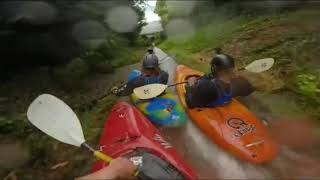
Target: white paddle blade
(260,65)
(55,118)
(149,91)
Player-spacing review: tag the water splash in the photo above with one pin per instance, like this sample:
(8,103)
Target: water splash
(225,165)
(208,159)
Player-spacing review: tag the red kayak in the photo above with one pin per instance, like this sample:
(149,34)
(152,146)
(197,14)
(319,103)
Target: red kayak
(127,132)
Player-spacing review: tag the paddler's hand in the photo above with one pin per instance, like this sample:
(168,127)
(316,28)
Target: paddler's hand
(192,81)
(119,168)
(124,168)
(115,90)
(259,82)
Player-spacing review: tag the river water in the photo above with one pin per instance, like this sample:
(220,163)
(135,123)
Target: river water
(210,161)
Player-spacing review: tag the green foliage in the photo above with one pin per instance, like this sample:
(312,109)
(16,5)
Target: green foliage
(93,118)
(71,75)
(206,37)
(308,85)
(128,56)
(103,59)
(77,68)
(300,51)
(100,59)
(13,127)
(141,41)
(159,37)
(39,145)
(163,11)
(115,52)
(96,62)
(296,52)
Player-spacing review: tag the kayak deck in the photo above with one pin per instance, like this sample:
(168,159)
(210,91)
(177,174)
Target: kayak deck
(232,126)
(164,110)
(127,130)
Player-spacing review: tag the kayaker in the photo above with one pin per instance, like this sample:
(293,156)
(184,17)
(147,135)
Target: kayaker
(151,73)
(220,86)
(119,168)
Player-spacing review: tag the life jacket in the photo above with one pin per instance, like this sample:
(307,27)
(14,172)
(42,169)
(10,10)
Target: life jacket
(151,79)
(223,97)
(134,75)
(146,79)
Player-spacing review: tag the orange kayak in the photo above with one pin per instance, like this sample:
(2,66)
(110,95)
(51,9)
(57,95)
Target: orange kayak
(232,126)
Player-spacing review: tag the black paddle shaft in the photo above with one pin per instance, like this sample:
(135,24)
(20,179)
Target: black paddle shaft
(185,82)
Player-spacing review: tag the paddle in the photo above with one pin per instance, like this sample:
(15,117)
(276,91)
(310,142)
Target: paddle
(259,66)
(153,90)
(55,118)
(94,101)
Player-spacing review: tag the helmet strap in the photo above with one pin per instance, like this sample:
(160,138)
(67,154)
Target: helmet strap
(213,69)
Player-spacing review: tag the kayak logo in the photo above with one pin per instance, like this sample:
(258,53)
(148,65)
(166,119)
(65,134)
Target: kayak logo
(236,123)
(170,107)
(121,115)
(162,142)
(146,91)
(241,127)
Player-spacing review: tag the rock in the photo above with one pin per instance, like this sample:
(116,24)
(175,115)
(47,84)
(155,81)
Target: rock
(263,81)
(13,155)
(3,99)
(11,176)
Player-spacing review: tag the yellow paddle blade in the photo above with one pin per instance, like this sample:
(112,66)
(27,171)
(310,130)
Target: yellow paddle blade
(149,91)
(260,65)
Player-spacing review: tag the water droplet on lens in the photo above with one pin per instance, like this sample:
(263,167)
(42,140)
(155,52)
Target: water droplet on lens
(122,19)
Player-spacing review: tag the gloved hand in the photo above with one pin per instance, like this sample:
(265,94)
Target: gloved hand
(192,81)
(241,87)
(115,90)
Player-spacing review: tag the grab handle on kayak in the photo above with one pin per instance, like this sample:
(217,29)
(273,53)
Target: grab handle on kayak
(255,143)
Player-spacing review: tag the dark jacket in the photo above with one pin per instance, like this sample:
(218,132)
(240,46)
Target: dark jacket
(211,92)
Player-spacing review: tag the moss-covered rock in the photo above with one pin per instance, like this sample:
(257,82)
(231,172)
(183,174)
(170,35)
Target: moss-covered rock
(308,85)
